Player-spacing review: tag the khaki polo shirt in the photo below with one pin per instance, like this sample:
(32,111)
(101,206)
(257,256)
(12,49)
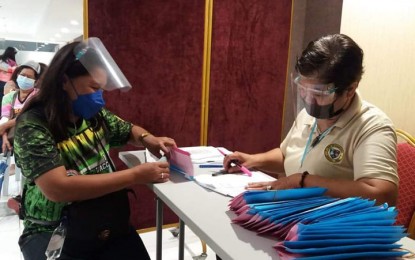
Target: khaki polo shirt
(362,144)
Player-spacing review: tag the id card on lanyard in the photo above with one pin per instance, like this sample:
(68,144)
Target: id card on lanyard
(311,144)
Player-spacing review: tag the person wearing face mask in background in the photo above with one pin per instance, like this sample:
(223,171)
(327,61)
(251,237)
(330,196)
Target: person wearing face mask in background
(338,141)
(62,142)
(20,88)
(11,85)
(13,102)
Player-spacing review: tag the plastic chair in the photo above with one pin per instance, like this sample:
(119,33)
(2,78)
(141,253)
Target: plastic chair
(406,136)
(406,172)
(4,173)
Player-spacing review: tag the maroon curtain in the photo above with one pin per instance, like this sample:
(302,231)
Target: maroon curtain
(248,68)
(158,45)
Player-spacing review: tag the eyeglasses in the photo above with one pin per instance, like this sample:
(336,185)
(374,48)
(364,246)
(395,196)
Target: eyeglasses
(318,90)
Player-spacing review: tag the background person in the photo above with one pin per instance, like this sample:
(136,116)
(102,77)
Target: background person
(7,66)
(338,141)
(26,77)
(13,102)
(62,142)
(11,85)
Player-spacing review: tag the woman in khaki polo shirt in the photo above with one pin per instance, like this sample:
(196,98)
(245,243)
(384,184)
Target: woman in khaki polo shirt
(338,141)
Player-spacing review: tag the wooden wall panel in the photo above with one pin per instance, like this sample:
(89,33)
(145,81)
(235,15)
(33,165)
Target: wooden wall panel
(158,45)
(250,42)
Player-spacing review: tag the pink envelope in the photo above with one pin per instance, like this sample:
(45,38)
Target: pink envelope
(181,161)
(242,218)
(283,253)
(237,202)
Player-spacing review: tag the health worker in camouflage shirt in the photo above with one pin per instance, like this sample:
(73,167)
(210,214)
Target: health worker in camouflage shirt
(62,142)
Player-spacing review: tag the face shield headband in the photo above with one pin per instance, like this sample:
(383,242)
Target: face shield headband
(317,99)
(91,53)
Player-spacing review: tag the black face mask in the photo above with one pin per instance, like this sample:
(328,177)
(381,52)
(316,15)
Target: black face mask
(321,111)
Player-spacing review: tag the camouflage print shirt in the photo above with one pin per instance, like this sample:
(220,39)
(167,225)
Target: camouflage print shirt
(36,153)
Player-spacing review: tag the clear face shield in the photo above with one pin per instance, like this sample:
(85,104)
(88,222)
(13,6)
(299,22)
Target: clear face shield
(316,98)
(92,53)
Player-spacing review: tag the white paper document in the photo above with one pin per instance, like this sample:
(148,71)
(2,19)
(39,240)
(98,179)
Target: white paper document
(150,157)
(229,184)
(205,154)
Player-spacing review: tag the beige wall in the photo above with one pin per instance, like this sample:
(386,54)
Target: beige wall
(308,22)
(385,30)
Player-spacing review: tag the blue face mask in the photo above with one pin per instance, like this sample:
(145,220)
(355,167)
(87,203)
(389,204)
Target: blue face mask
(88,105)
(25,83)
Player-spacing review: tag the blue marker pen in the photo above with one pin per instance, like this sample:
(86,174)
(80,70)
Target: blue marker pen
(210,166)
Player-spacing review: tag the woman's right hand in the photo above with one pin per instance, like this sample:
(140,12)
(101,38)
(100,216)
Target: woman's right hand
(155,172)
(247,160)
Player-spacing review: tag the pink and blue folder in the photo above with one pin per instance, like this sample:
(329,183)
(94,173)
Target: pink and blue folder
(180,161)
(308,225)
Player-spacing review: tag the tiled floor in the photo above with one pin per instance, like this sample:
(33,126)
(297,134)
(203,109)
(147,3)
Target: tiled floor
(10,228)
(193,246)
(10,225)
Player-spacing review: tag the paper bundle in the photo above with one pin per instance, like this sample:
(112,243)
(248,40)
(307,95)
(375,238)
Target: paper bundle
(310,225)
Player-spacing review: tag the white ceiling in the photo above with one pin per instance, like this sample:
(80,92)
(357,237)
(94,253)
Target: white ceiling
(41,20)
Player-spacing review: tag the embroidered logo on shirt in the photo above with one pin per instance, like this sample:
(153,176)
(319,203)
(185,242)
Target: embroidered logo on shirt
(334,153)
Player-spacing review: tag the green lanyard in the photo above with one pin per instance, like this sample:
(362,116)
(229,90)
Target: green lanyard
(310,145)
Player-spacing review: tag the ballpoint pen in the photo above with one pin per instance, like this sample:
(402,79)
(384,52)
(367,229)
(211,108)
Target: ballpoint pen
(222,172)
(236,163)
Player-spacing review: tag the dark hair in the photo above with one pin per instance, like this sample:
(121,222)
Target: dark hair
(43,68)
(51,96)
(9,53)
(332,59)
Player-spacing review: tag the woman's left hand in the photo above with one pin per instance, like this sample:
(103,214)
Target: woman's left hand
(154,144)
(290,182)
(6,144)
